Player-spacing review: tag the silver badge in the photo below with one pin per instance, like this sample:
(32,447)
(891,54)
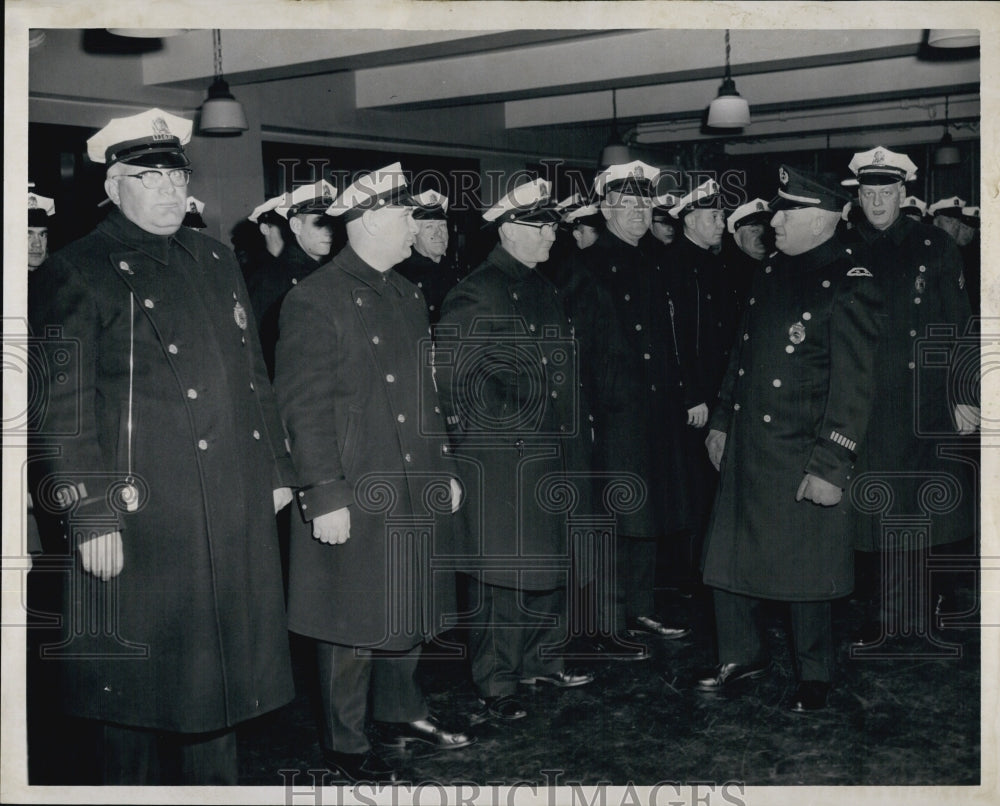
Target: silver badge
(783,176)
(921,285)
(240,315)
(797,333)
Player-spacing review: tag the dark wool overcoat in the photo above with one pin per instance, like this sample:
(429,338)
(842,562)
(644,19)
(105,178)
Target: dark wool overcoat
(795,400)
(356,392)
(508,369)
(927,362)
(156,331)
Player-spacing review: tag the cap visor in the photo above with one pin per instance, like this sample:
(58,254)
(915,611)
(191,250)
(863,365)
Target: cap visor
(158,159)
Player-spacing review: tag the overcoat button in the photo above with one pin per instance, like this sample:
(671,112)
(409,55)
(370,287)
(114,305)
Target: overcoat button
(776,383)
(148,303)
(123,266)
(192,394)
(202,445)
(767,418)
(401,418)
(916,300)
(374,339)
(408,458)
(826,284)
(807,316)
(256,434)
(390,378)
(789,348)
(172,349)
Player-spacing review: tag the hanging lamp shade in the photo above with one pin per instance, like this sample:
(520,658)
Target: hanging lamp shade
(729,110)
(947,152)
(222,113)
(956,38)
(146,33)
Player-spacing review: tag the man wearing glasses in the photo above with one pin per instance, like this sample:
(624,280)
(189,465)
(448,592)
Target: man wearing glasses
(157,445)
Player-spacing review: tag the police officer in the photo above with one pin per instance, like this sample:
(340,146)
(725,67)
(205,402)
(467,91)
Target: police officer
(193,217)
(744,253)
(162,452)
(920,270)
(40,211)
(792,413)
(308,248)
(961,222)
(630,270)
(506,367)
(428,266)
(353,385)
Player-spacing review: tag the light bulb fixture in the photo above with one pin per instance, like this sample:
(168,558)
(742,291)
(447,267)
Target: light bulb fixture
(221,114)
(947,152)
(956,38)
(728,110)
(615,152)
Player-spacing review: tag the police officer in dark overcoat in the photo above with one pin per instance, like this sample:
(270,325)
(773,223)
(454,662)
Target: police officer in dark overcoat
(792,414)
(632,273)
(429,267)
(922,404)
(507,367)
(356,392)
(160,448)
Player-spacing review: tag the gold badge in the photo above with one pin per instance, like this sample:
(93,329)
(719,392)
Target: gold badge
(921,285)
(240,315)
(797,333)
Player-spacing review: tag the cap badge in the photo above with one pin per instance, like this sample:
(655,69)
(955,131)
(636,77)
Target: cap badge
(797,333)
(32,202)
(958,202)
(240,315)
(760,205)
(878,158)
(783,176)
(638,173)
(160,129)
(920,284)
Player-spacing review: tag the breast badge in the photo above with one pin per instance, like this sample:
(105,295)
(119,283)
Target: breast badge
(240,315)
(797,333)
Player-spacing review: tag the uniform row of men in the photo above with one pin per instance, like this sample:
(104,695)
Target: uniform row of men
(440,478)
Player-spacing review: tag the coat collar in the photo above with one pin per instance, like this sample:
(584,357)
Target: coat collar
(117,227)
(350,263)
(818,256)
(509,264)
(896,232)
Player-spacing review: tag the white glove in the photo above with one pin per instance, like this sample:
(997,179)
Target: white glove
(819,491)
(967,418)
(333,527)
(282,498)
(456,494)
(716,444)
(103,556)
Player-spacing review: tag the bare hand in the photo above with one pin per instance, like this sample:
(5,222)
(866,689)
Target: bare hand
(967,418)
(819,491)
(698,415)
(103,556)
(716,444)
(282,498)
(333,527)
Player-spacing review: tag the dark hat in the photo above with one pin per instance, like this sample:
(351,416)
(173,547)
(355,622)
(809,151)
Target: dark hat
(635,178)
(756,211)
(152,139)
(704,197)
(385,187)
(40,208)
(880,166)
(430,206)
(800,189)
(530,203)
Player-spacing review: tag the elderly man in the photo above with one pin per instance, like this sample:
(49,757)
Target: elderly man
(427,268)
(920,271)
(632,273)
(513,411)
(792,413)
(353,387)
(161,450)
(40,210)
(308,248)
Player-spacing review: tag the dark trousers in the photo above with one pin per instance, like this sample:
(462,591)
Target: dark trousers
(741,640)
(510,632)
(136,756)
(347,676)
(636,561)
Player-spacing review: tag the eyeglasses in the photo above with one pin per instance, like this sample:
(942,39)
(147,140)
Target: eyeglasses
(549,225)
(153,180)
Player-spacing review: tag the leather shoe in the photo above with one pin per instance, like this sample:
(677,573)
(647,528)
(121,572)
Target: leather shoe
(560,679)
(618,647)
(869,635)
(506,709)
(428,731)
(726,674)
(355,767)
(810,695)
(652,626)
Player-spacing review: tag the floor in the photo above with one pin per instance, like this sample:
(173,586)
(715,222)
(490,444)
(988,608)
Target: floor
(903,720)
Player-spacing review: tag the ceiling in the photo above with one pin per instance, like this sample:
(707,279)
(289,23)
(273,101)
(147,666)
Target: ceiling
(807,88)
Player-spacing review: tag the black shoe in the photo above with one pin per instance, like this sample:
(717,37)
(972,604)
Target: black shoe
(560,679)
(653,626)
(355,767)
(506,709)
(810,695)
(726,674)
(869,635)
(618,647)
(428,731)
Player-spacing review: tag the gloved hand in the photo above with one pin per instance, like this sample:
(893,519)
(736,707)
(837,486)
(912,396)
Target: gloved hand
(967,418)
(716,444)
(819,491)
(103,556)
(282,498)
(333,527)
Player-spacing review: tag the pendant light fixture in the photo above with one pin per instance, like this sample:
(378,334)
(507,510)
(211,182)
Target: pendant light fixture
(615,152)
(728,110)
(947,152)
(953,38)
(221,113)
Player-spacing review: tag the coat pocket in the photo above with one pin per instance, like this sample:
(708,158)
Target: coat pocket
(352,436)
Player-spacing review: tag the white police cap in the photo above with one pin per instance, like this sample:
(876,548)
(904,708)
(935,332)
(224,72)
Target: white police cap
(635,178)
(270,206)
(153,139)
(527,203)
(704,196)
(754,211)
(951,206)
(581,213)
(43,204)
(913,203)
(880,166)
(312,198)
(430,206)
(372,191)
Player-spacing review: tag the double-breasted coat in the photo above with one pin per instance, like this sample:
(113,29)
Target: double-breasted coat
(926,364)
(795,400)
(652,444)
(156,386)
(508,369)
(356,391)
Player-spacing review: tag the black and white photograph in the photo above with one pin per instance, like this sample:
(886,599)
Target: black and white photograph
(554,402)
